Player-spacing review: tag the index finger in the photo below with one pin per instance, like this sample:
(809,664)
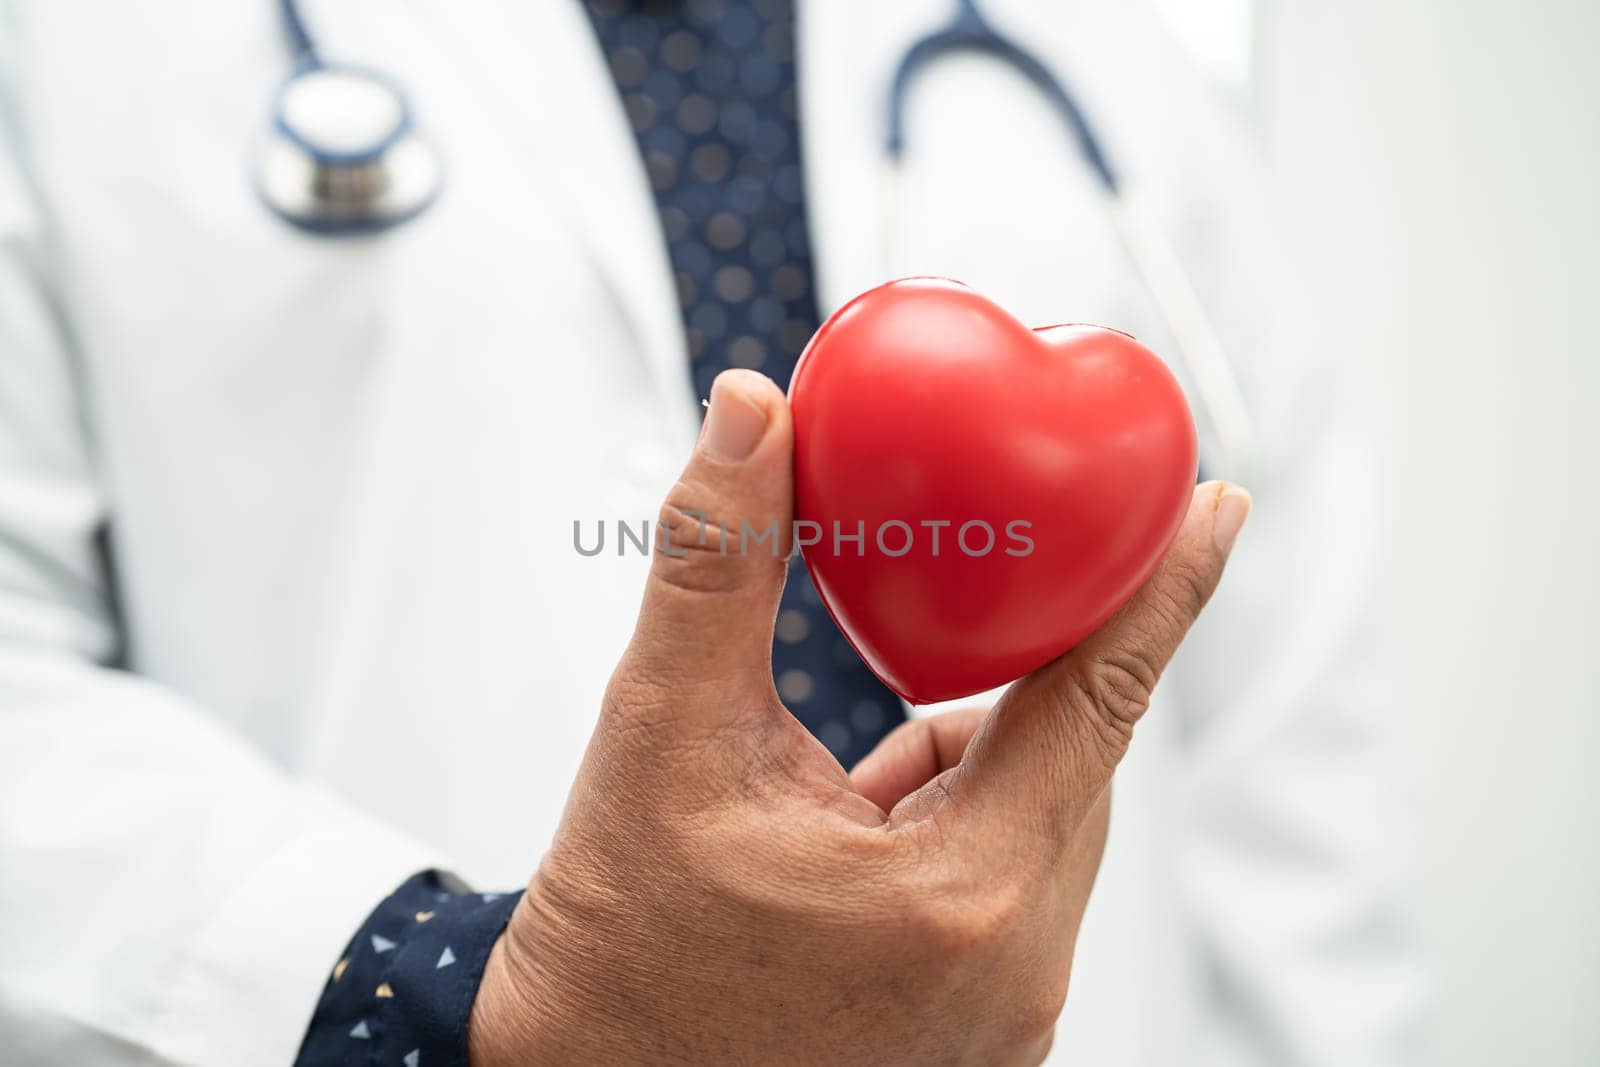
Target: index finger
(1049,748)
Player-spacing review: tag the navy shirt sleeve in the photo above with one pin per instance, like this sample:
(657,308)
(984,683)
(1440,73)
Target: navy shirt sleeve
(402,992)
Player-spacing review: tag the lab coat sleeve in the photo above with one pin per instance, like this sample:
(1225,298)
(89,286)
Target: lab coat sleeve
(1291,856)
(166,893)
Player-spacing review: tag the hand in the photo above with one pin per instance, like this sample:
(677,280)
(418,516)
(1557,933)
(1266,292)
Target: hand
(720,890)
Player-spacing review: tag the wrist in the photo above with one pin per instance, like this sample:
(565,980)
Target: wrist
(500,1028)
(544,999)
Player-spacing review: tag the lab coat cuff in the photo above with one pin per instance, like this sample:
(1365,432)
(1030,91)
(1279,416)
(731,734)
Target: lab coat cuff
(246,991)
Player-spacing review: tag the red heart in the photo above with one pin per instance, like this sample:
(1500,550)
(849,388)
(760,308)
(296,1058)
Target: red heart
(921,402)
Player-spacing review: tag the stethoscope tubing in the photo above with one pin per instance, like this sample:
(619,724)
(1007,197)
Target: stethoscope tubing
(1158,265)
(397,173)
(301,45)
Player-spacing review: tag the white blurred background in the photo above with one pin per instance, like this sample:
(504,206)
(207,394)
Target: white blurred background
(1435,165)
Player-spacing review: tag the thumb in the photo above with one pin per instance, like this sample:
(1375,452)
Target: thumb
(721,547)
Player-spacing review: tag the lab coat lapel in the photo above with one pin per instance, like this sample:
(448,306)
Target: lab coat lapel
(543,68)
(847,56)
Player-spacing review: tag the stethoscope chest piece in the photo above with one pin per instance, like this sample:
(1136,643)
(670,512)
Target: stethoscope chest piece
(341,154)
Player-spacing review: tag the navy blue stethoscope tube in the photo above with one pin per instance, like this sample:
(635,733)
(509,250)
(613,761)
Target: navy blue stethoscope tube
(970,31)
(294,27)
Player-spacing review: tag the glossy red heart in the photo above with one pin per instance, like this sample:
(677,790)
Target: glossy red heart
(922,403)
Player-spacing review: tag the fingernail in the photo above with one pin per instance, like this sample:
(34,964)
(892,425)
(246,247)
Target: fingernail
(1233,506)
(734,424)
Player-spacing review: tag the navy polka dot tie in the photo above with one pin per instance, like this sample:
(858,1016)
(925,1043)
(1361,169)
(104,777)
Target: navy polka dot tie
(709,87)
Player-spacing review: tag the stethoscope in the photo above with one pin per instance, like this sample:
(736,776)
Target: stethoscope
(342,156)
(1153,257)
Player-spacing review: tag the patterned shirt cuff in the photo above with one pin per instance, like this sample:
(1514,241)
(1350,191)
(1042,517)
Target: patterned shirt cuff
(402,992)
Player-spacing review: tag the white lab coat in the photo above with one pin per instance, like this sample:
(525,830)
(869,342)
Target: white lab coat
(340,478)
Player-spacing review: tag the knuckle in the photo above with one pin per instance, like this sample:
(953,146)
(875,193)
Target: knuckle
(1185,592)
(967,922)
(1115,686)
(692,542)
(641,701)
(691,515)
(1037,1010)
